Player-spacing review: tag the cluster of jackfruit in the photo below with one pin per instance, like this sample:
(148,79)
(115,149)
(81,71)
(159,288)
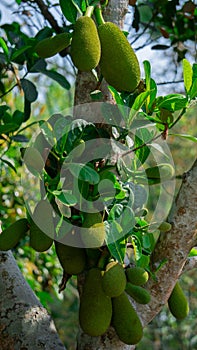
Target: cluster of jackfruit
(104,301)
(106,46)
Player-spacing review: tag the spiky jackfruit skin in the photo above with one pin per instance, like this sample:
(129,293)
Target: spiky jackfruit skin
(49,47)
(42,227)
(85,45)
(93,230)
(119,64)
(138,293)
(137,275)
(95,309)
(126,321)
(178,303)
(11,235)
(72,259)
(113,279)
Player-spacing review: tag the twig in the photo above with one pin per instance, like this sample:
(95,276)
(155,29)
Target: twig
(48,16)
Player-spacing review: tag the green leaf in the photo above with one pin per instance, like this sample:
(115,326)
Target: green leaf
(3,109)
(10,127)
(138,103)
(84,173)
(66,198)
(9,164)
(27,109)
(187,74)
(3,45)
(147,69)
(19,52)
(47,131)
(173,102)
(69,10)
(186,137)
(115,212)
(117,247)
(193,90)
(137,247)
(29,89)
(60,79)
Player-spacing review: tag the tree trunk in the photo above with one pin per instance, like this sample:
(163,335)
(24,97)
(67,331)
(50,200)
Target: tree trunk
(24,323)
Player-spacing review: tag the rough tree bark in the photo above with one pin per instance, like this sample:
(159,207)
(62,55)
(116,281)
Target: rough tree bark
(24,322)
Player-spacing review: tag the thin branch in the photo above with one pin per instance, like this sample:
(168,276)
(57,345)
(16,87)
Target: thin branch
(48,16)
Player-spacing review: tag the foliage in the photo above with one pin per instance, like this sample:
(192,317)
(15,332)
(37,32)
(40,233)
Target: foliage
(121,185)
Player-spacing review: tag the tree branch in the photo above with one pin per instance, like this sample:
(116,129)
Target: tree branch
(174,247)
(47,15)
(191,263)
(24,323)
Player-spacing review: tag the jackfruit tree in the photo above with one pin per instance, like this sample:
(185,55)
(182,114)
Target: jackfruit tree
(101,189)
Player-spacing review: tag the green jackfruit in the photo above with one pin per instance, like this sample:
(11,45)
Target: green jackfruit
(49,47)
(178,303)
(85,45)
(72,259)
(93,230)
(165,226)
(42,227)
(114,279)
(95,309)
(137,275)
(119,64)
(11,235)
(138,293)
(125,320)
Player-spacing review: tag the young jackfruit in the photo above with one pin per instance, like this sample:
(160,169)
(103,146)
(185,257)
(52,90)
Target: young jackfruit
(137,275)
(93,230)
(72,259)
(11,235)
(138,293)
(42,227)
(85,45)
(178,303)
(113,279)
(49,47)
(119,64)
(95,309)
(125,320)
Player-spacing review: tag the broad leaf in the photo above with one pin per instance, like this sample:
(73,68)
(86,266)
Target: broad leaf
(60,79)
(69,10)
(29,89)
(187,74)
(186,137)
(84,173)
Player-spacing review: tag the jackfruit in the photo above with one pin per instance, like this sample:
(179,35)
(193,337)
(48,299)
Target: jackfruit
(42,227)
(11,235)
(85,45)
(125,320)
(178,303)
(72,259)
(93,230)
(95,310)
(113,279)
(138,293)
(137,275)
(119,64)
(165,226)
(49,47)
